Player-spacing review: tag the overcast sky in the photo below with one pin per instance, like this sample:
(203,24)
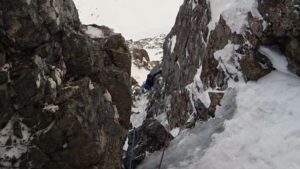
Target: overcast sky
(133,18)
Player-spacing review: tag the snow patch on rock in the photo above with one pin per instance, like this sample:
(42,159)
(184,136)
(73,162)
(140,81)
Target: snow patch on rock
(235,13)
(94,32)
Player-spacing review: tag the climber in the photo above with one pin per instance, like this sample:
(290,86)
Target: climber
(150,80)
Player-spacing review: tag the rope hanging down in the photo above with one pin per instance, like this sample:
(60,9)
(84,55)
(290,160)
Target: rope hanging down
(132,148)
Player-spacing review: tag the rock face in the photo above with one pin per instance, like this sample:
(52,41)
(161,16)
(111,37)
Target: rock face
(149,137)
(284,28)
(195,69)
(65,96)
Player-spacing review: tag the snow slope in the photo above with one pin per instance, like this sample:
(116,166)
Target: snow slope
(264,132)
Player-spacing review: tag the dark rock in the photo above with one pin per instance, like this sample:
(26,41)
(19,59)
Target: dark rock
(150,137)
(254,65)
(71,91)
(140,54)
(17,130)
(283,28)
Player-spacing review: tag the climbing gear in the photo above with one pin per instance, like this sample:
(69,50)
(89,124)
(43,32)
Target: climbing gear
(162,157)
(166,144)
(132,148)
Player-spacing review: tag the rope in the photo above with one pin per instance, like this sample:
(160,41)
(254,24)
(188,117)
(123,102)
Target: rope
(162,157)
(132,149)
(163,153)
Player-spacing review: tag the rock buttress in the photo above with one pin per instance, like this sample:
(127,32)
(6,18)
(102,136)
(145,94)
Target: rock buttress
(65,97)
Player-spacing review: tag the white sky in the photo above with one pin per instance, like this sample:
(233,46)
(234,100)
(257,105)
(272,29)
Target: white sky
(133,18)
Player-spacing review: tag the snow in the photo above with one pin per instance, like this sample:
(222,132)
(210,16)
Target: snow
(139,110)
(94,32)
(107,96)
(116,115)
(196,90)
(18,147)
(139,74)
(235,13)
(52,83)
(194,4)
(58,74)
(228,60)
(175,132)
(155,54)
(172,43)
(38,81)
(5,67)
(51,108)
(256,127)
(276,57)
(91,85)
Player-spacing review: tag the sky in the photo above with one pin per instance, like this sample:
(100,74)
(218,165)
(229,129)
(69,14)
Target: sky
(135,19)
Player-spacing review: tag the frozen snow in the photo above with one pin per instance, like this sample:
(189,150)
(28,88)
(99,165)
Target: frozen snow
(235,13)
(94,32)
